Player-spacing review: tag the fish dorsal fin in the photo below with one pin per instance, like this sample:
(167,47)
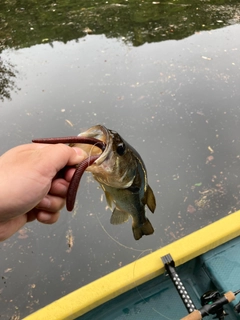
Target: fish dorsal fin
(149,199)
(119,217)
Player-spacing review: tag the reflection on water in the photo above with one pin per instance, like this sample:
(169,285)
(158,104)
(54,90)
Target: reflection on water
(176,102)
(136,22)
(7,83)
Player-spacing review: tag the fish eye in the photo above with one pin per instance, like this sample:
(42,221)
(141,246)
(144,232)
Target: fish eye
(121,148)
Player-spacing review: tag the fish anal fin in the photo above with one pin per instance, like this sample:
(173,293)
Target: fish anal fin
(149,199)
(145,229)
(119,217)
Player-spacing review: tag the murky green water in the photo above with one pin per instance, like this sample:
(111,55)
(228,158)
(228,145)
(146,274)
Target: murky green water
(166,76)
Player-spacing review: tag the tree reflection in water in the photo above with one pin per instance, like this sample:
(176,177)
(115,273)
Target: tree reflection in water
(7,83)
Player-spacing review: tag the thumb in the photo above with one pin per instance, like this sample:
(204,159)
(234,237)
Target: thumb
(56,157)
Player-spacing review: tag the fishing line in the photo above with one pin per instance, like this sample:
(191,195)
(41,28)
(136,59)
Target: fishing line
(119,243)
(90,151)
(152,308)
(141,252)
(141,296)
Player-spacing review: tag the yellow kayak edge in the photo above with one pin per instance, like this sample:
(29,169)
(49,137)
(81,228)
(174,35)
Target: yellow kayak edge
(110,286)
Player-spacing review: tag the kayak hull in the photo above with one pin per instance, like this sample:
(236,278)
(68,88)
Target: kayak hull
(149,272)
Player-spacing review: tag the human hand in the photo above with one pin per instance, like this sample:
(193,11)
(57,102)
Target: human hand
(32,184)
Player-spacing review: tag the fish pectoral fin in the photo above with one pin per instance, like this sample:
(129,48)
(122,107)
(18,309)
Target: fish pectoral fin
(149,199)
(119,217)
(109,199)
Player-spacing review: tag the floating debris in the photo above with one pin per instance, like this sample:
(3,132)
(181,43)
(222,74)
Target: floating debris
(209,159)
(70,240)
(69,122)
(206,58)
(22,234)
(198,184)
(191,209)
(210,149)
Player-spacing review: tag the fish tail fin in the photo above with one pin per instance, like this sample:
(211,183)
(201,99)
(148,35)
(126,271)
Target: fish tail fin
(145,229)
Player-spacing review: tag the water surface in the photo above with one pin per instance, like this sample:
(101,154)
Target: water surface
(166,77)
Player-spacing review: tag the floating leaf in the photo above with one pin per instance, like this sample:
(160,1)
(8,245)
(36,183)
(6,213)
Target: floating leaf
(198,184)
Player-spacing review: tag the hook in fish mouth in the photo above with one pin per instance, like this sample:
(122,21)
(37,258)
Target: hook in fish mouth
(74,183)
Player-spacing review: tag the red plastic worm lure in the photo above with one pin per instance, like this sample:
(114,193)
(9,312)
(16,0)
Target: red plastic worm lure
(74,183)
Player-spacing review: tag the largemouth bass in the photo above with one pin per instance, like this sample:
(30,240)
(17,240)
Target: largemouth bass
(121,173)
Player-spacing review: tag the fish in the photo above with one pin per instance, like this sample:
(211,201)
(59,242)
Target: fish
(122,175)
(119,170)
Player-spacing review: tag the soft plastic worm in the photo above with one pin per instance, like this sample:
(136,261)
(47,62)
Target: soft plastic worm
(74,139)
(74,183)
(73,186)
